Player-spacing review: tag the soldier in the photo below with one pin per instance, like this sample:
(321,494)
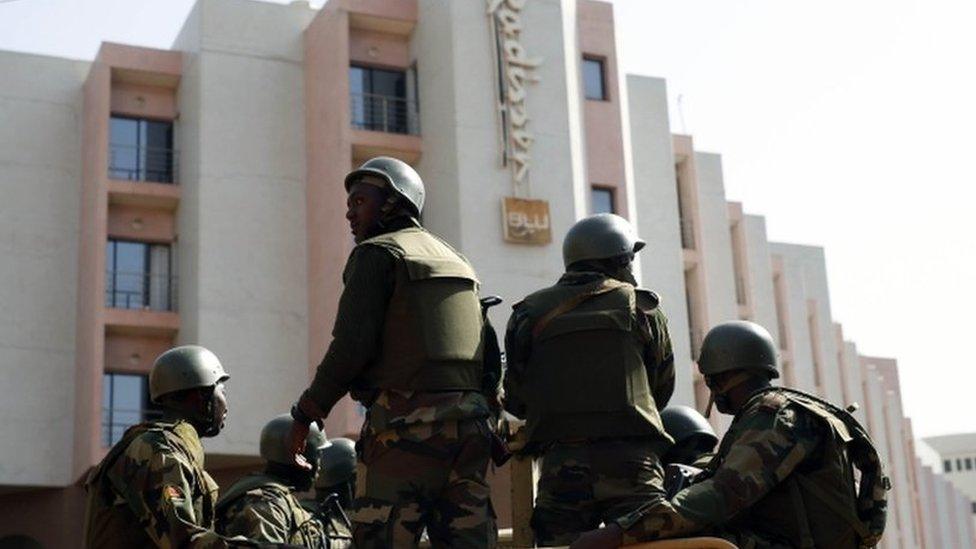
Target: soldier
(151,488)
(262,506)
(694,438)
(408,345)
(334,489)
(589,366)
(784,472)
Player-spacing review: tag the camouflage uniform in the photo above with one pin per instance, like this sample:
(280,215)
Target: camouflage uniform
(602,462)
(423,453)
(263,508)
(151,490)
(756,493)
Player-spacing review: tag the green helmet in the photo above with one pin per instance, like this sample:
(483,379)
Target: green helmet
(402,178)
(184,367)
(274,440)
(683,423)
(337,463)
(738,345)
(600,236)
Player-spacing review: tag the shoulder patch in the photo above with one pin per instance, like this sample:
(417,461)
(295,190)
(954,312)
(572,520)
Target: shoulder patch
(646,299)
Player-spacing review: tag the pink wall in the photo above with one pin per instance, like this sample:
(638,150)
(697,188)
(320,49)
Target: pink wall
(62,508)
(143,101)
(140,223)
(603,122)
(133,353)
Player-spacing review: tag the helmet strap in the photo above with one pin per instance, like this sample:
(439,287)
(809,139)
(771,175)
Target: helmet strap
(729,384)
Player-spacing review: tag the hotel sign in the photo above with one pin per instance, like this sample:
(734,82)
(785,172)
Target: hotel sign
(526,221)
(514,71)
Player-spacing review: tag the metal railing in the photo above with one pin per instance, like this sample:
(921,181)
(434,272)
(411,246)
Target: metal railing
(140,290)
(384,113)
(116,420)
(135,163)
(687,234)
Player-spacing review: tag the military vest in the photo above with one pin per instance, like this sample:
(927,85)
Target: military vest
(586,376)
(303,529)
(815,506)
(110,519)
(432,335)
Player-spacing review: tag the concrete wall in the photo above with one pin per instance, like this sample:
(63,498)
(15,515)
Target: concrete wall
(656,201)
(461,137)
(795,308)
(40,182)
(759,275)
(716,241)
(242,215)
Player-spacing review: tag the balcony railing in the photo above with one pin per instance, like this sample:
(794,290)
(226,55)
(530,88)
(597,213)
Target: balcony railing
(140,290)
(687,234)
(384,113)
(135,163)
(116,420)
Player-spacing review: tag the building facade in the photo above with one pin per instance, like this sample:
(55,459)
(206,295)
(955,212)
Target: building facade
(193,195)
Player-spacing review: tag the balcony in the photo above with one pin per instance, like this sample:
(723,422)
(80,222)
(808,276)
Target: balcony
(383,113)
(142,163)
(140,290)
(115,421)
(687,234)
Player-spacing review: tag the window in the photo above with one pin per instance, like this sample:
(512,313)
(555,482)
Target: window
(969,464)
(594,82)
(947,465)
(958,464)
(138,276)
(125,402)
(602,200)
(379,102)
(141,150)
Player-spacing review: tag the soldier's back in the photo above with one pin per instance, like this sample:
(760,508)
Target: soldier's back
(263,508)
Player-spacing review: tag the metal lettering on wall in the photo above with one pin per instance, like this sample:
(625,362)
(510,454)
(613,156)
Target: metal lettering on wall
(526,221)
(514,70)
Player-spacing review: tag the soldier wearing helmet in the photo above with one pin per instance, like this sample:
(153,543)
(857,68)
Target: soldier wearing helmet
(589,367)
(783,474)
(151,488)
(694,438)
(335,486)
(262,506)
(408,345)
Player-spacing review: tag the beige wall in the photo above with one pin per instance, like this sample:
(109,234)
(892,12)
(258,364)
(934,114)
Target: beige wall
(40,169)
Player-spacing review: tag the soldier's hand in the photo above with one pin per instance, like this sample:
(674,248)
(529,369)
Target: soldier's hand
(609,537)
(296,444)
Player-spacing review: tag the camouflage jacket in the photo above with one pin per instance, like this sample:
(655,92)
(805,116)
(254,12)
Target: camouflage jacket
(151,490)
(263,508)
(338,532)
(751,491)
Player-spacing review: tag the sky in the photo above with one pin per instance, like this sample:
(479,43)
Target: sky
(847,124)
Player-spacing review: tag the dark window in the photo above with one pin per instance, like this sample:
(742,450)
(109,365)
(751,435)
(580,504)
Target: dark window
(141,150)
(974,507)
(602,200)
(969,464)
(137,276)
(947,465)
(594,81)
(125,402)
(379,102)
(958,464)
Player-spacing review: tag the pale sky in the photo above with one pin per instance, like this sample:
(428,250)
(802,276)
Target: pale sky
(848,124)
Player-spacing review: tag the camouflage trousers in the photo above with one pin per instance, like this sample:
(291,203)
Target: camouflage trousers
(582,485)
(408,483)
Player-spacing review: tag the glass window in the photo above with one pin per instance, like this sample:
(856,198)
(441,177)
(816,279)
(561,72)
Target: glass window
(958,464)
(379,99)
(593,79)
(969,464)
(947,465)
(601,200)
(125,402)
(137,276)
(140,150)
